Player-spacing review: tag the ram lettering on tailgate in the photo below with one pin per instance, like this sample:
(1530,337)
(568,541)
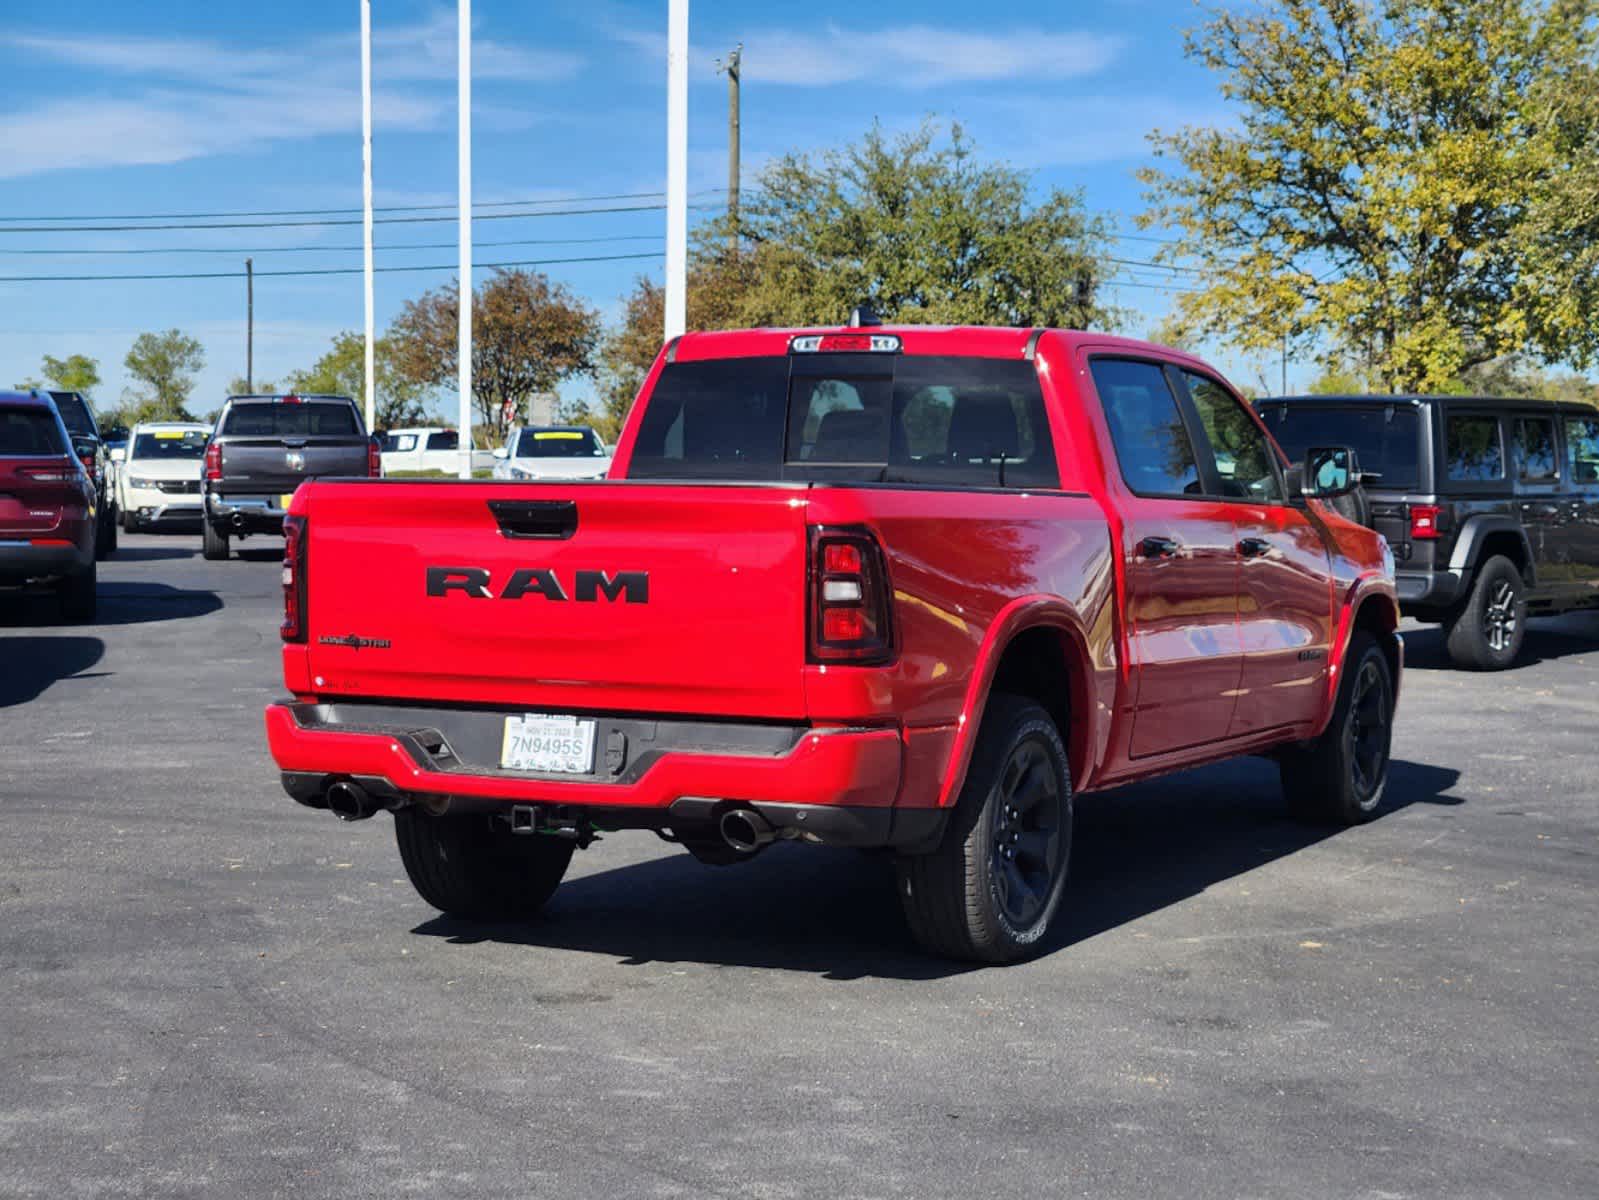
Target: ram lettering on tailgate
(632,587)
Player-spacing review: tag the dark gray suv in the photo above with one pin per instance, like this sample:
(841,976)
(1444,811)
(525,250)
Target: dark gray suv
(1491,505)
(263,447)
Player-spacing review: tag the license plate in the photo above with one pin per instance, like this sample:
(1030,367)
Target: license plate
(285,500)
(556,745)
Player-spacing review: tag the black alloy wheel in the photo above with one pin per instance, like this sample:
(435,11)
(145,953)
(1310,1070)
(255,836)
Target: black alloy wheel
(1368,733)
(1029,843)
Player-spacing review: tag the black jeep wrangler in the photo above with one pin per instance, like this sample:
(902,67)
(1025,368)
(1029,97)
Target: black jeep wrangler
(1491,506)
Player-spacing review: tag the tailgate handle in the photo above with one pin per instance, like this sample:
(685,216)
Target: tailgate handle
(536,518)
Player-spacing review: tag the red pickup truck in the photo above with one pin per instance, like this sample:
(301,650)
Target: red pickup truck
(885,587)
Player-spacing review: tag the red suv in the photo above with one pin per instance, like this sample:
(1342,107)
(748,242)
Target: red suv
(47,505)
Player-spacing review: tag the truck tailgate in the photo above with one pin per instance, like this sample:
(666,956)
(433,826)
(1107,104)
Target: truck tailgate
(613,597)
(271,464)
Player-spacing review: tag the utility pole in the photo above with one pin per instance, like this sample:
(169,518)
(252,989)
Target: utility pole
(249,325)
(731,68)
(1284,392)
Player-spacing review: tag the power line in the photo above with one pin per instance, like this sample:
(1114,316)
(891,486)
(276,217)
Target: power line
(228,250)
(527,262)
(565,212)
(333,212)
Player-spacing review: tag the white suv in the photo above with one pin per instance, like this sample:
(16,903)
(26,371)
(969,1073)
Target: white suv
(552,452)
(158,474)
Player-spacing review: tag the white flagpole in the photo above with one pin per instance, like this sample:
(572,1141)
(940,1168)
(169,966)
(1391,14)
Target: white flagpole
(677,169)
(463,100)
(366,206)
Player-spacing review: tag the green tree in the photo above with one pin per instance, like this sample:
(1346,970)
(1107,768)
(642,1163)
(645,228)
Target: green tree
(528,335)
(75,373)
(397,400)
(916,226)
(923,230)
(1378,199)
(165,364)
(240,386)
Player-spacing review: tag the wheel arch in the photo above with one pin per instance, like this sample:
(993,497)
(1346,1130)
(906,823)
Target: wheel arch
(1489,534)
(1370,606)
(1038,648)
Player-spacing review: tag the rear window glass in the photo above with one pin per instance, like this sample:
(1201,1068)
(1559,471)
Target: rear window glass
(306,419)
(1472,453)
(170,443)
(942,420)
(29,431)
(558,443)
(1386,438)
(75,414)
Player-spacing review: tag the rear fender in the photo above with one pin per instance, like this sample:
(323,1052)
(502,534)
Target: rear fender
(1475,532)
(1085,738)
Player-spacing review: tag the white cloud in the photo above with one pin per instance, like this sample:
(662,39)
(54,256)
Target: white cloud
(191,98)
(906,56)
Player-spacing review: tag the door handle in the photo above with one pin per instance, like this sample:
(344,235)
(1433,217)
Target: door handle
(1159,547)
(1254,547)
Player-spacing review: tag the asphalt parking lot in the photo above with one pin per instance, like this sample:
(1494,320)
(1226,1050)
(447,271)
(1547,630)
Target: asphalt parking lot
(208,991)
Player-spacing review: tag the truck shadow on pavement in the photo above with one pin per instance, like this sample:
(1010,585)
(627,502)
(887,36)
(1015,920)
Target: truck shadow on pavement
(29,665)
(1138,850)
(118,604)
(1546,638)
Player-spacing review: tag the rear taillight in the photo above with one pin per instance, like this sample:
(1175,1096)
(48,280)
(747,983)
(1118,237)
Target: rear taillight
(850,616)
(1423,522)
(48,474)
(294,557)
(374,458)
(90,467)
(213,461)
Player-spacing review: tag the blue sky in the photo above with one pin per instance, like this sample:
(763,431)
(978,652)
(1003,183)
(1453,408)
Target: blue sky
(172,106)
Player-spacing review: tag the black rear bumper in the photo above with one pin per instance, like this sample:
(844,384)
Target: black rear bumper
(1426,592)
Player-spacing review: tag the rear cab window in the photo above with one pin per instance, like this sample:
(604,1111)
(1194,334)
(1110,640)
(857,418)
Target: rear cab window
(937,420)
(1146,428)
(276,419)
(29,432)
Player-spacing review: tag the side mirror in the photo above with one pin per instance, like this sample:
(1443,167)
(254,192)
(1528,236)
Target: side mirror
(1328,471)
(119,454)
(502,452)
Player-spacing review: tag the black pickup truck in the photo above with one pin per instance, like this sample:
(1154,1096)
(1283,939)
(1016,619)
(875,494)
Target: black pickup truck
(263,447)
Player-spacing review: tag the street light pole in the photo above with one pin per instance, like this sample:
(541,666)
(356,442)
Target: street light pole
(463,101)
(677,169)
(366,207)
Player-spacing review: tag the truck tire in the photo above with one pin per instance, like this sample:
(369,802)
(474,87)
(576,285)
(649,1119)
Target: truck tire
(475,867)
(1339,778)
(213,543)
(79,596)
(1486,632)
(130,521)
(991,888)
